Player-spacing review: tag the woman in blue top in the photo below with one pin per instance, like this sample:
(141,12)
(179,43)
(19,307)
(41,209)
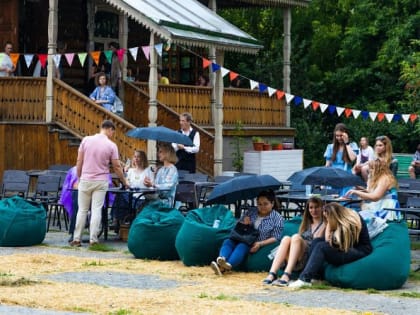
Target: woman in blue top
(167,175)
(103,94)
(341,153)
(265,219)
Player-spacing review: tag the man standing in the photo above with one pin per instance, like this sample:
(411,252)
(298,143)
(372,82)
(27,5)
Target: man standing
(6,67)
(186,154)
(414,168)
(95,154)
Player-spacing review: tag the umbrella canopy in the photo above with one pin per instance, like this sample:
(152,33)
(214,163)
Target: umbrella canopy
(242,188)
(329,176)
(159,133)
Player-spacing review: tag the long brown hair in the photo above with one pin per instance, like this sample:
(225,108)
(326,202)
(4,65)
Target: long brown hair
(307,219)
(378,171)
(387,155)
(336,145)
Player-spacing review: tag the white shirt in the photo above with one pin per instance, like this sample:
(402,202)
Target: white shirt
(6,63)
(196,141)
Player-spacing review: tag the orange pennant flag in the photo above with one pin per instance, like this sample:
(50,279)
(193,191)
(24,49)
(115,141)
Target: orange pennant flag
(14,57)
(348,112)
(233,75)
(380,116)
(279,95)
(95,56)
(43,59)
(206,63)
(413,117)
(315,105)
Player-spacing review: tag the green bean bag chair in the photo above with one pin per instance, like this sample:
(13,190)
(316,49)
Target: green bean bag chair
(386,268)
(198,242)
(260,260)
(152,233)
(22,222)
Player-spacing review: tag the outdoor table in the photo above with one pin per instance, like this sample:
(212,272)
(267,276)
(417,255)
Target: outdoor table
(201,190)
(410,214)
(412,192)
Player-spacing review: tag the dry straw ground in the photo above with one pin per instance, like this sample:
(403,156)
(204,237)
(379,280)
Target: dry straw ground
(26,281)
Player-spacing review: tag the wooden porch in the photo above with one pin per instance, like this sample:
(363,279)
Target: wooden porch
(30,143)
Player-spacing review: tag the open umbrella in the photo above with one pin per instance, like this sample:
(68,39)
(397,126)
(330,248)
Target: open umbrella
(159,133)
(327,176)
(241,188)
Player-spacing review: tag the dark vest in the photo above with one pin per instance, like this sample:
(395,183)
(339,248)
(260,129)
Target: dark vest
(186,161)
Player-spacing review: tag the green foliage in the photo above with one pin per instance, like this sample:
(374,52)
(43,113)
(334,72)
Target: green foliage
(238,144)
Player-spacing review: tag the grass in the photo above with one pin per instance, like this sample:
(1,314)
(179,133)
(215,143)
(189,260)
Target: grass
(93,263)
(220,297)
(414,276)
(22,281)
(101,248)
(415,245)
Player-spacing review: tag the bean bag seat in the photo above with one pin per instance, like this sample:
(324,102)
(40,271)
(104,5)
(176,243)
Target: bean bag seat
(22,222)
(152,233)
(260,260)
(386,268)
(198,242)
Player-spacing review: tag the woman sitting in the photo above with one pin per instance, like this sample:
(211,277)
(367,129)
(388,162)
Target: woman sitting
(381,192)
(269,223)
(346,240)
(295,249)
(103,94)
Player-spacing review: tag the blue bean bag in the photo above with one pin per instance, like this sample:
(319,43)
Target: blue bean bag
(152,234)
(386,268)
(22,222)
(260,261)
(198,242)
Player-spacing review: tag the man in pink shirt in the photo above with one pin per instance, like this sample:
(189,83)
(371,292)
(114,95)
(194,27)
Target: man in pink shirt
(95,154)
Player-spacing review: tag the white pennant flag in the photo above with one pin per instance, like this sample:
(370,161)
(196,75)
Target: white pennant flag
(224,71)
(28,59)
(57,59)
(389,117)
(271,91)
(289,97)
(356,113)
(133,51)
(323,107)
(373,115)
(159,48)
(339,110)
(306,103)
(253,84)
(406,117)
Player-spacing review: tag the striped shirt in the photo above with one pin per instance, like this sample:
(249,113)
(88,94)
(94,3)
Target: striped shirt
(270,226)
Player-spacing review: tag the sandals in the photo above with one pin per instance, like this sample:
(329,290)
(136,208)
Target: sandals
(281,282)
(268,280)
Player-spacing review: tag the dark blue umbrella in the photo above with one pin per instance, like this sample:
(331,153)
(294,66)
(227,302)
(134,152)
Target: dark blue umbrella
(241,188)
(327,176)
(159,133)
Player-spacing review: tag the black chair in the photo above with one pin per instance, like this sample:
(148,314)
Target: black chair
(413,219)
(185,194)
(57,210)
(196,177)
(60,167)
(15,182)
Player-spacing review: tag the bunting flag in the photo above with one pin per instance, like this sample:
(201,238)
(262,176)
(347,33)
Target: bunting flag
(253,84)
(340,111)
(323,107)
(373,115)
(159,48)
(348,112)
(380,116)
(28,59)
(413,117)
(206,63)
(82,58)
(224,71)
(356,113)
(315,105)
(389,117)
(215,67)
(108,55)
(43,60)
(120,54)
(279,95)
(95,56)
(69,58)
(262,87)
(306,103)
(271,91)
(14,57)
(134,51)
(232,75)
(331,109)
(289,97)
(57,60)
(146,52)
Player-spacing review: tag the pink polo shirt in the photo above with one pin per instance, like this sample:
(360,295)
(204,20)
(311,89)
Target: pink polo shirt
(98,152)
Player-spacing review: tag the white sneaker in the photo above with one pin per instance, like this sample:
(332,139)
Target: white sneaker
(216,268)
(299,283)
(221,261)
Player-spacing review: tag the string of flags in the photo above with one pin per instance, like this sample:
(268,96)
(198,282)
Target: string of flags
(214,67)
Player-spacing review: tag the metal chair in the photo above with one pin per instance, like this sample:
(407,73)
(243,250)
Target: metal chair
(15,182)
(196,177)
(60,167)
(57,210)
(413,219)
(185,194)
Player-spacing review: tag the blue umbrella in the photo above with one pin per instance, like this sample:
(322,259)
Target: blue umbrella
(159,133)
(327,176)
(241,188)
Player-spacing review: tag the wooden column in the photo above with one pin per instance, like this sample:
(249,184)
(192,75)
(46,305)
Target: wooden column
(153,88)
(287,22)
(123,37)
(52,49)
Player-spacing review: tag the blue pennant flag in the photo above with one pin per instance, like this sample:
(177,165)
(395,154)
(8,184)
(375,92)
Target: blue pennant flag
(364,114)
(298,100)
(331,109)
(397,117)
(215,67)
(262,87)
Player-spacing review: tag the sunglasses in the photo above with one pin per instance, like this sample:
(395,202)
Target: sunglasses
(380,138)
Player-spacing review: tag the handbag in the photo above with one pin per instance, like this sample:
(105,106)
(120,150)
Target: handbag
(244,233)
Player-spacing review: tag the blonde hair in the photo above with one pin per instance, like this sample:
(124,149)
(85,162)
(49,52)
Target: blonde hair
(379,171)
(167,148)
(307,219)
(345,226)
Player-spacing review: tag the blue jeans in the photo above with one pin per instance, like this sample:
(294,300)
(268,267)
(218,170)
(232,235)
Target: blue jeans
(234,252)
(320,253)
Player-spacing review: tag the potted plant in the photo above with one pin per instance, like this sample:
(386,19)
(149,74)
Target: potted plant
(257,143)
(266,147)
(276,145)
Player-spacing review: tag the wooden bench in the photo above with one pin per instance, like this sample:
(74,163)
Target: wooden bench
(404,161)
